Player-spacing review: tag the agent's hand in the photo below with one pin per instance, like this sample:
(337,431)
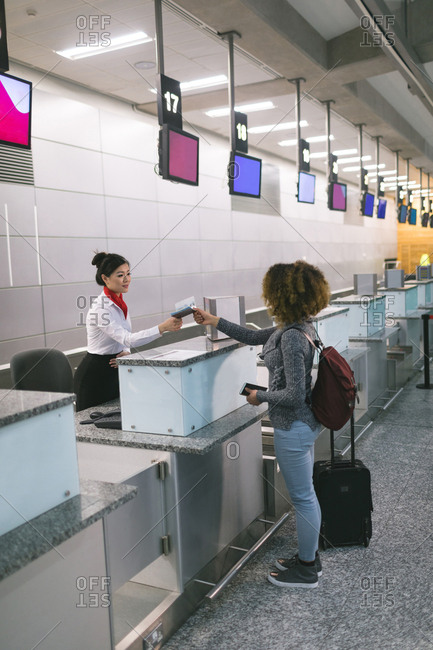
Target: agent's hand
(252,397)
(172,324)
(113,362)
(203,317)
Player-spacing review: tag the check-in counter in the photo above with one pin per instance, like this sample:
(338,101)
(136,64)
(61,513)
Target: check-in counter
(425,293)
(369,329)
(367,314)
(176,390)
(402,307)
(332,326)
(54,584)
(196,492)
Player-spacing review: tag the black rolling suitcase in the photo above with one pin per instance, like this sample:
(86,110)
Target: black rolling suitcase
(343,488)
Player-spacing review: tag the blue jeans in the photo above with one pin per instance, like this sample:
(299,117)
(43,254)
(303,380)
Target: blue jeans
(294,449)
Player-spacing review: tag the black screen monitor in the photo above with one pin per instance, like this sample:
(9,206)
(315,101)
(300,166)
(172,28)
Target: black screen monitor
(367,204)
(425,219)
(337,196)
(245,175)
(381,209)
(402,213)
(15,111)
(431,220)
(306,187)
(178,155)
(412,217)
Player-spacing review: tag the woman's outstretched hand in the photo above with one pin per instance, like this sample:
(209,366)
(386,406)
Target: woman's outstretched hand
(203,317)
(172,324)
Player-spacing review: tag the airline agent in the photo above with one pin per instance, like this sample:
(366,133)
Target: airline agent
(109,335)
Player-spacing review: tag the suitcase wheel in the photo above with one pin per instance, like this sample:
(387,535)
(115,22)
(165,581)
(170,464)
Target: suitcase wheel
(323,542)
(366,532)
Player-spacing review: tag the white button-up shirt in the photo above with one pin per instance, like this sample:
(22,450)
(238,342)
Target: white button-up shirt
(109,332)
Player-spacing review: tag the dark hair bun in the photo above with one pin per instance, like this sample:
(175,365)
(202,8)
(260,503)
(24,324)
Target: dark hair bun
(98,259)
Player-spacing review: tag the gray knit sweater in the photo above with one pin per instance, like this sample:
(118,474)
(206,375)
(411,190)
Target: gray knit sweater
(288,355)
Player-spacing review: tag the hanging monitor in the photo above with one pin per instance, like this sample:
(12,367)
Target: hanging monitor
(425,220)
(402,213)
(245,175)
(15,111)
(306,187)
(381,209)
(337,196)
(367,204)
(178,155)
(412,217)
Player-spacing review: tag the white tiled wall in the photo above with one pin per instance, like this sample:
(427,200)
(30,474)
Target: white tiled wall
(96,189)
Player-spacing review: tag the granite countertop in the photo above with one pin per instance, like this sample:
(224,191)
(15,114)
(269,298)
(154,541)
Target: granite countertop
(416,282)
(199,442)
(414,314)
(19,405)
(354,299)
(381,335)
(180,354)
(405,288)
(26,543)
(328,312)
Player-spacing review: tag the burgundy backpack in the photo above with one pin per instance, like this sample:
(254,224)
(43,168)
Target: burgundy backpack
(334,393)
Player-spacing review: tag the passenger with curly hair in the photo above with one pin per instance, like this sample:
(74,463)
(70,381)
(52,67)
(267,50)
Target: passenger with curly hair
(293,293)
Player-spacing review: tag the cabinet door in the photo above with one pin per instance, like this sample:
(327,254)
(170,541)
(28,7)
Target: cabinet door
(134,531)
(60,600)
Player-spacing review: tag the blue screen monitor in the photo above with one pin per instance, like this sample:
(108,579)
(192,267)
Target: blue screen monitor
(245,175)
(412,217)
(367,204)
(306,187)
(402,213)
(337,196)
(381,209)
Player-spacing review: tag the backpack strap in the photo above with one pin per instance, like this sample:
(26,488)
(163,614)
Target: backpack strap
(317,345)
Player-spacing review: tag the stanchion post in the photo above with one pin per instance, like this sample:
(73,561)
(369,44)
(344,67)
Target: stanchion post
(426,384)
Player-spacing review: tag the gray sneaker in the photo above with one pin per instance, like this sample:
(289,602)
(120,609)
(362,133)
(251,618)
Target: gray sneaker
(297,575)
(283,564)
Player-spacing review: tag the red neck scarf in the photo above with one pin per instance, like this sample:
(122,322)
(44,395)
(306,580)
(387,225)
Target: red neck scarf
(118,300)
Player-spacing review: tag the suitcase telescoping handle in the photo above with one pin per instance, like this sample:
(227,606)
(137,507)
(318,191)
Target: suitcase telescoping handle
(352,443)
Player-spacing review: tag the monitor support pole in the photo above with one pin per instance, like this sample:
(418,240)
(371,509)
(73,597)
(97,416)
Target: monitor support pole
(159,41)
(377,164)
(397,197)
(328,103)
(361,181)
(297,83)
(407,180)
(229,36)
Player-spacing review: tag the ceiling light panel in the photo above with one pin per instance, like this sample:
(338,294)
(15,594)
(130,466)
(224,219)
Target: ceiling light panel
(244,108)
(114,44)
(282,126)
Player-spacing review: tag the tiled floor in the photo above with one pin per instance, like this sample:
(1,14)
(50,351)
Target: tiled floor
(380,597)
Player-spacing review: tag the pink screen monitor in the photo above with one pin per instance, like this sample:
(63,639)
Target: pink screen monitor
(183,157)
(339,192)
(15,111)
